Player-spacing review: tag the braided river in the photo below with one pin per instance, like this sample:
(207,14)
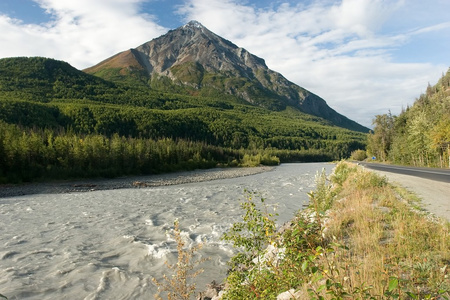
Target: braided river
(109,244)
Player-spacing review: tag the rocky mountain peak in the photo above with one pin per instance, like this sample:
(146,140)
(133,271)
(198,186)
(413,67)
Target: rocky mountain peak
(193,57)
(194,43)
(194,24)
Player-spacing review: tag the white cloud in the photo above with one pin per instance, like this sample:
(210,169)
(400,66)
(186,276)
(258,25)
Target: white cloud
(335,49)
(81,32)
(344,51)
(437,27)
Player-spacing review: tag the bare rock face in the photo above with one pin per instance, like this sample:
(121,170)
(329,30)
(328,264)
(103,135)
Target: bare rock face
(195,58)
(195,43)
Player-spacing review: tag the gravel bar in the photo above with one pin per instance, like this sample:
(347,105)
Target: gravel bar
(89,185)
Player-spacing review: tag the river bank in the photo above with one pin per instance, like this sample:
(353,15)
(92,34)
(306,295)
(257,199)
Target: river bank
(361,237)
(87,185)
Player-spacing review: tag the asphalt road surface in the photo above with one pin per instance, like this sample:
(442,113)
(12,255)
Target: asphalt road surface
(428,173)
(431,185)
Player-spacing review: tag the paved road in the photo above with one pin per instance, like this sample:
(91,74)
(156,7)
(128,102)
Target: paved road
(428,173)
(431,185)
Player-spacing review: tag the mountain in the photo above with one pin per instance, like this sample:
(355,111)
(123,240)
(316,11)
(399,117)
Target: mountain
(193,60)
(186,100)
(57,122)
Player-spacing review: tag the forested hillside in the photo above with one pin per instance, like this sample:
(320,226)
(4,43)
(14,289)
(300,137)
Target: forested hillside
(420,135)
(58,122)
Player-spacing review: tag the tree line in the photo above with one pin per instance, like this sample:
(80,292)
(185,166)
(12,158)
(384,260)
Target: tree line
(41,154)
(420,134)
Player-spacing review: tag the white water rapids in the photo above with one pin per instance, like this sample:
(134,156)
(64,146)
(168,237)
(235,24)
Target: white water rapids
(109,244)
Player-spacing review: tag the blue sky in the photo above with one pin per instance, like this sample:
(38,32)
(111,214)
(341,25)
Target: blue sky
(364,57)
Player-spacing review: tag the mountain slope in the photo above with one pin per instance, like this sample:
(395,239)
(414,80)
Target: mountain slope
(21,76)
(58,122)
(39,92)
(193,60)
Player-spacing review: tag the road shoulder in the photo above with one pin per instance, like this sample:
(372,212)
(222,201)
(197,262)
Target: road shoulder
(435,195)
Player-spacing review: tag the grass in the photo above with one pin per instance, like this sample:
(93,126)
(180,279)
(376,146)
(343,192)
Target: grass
(389,239)
(361,238)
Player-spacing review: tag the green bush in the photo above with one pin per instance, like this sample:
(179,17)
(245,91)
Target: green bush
(322,198)
(341,173)
(256,231)
(358,155)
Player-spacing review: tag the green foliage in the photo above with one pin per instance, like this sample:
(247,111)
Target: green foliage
(358,155)
(43,154)
(34,154)
(420,135)
(380,141)
(255,160)
(322,198)
(305,261)
(271,262)
(251,236)
(44,97)
(341,173)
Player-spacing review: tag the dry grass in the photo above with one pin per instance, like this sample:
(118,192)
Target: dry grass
(387,240)
(180,285)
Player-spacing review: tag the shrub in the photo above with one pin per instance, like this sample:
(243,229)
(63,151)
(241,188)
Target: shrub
(178,286)
(251,236)
(358,155)
(322,198)
(341,173)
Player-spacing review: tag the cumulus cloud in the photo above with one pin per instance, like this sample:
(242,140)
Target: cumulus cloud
(346,51)
(82,32)
(336,49)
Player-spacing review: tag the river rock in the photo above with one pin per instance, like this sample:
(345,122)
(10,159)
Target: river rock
(291,294)
(212,291)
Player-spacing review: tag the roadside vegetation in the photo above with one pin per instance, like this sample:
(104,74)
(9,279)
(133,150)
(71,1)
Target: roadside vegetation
(360,238)
(420,135)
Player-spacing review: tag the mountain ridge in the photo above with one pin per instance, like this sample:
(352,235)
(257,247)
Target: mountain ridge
(197,61)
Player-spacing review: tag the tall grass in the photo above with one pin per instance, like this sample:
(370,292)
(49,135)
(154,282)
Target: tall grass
(360,238)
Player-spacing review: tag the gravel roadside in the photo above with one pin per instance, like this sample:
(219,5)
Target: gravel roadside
(128,182)
(435,195)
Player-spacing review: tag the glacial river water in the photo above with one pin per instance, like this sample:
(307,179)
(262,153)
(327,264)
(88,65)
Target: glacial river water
(109,244)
